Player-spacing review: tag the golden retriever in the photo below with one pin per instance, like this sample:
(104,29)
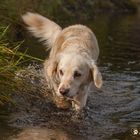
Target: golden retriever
(71,66)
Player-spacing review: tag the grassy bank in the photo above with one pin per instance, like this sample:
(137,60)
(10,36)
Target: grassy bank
(11,11)
(11,60)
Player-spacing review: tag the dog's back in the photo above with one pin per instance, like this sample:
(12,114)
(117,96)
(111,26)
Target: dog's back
(81,38)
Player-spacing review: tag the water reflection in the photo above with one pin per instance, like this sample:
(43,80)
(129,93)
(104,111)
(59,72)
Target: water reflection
(5,130)
(40,134)
(119,40)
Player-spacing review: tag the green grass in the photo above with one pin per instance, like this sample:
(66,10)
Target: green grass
(11,60)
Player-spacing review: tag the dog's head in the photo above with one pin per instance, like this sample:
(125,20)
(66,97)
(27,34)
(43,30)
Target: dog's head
(74,71)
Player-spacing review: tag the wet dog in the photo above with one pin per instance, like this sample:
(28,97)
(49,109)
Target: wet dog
(71,66)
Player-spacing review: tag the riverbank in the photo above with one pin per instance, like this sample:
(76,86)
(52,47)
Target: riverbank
(11,11)
(11,61)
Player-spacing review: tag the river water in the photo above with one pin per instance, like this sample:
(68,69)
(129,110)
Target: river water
(112,113)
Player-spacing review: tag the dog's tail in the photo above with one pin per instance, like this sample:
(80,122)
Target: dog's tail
(42,27)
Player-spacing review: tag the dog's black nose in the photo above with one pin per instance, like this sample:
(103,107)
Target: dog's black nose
(63,91)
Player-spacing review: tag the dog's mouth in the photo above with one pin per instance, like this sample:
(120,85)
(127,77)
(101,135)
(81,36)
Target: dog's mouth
(71,98)
(67,97)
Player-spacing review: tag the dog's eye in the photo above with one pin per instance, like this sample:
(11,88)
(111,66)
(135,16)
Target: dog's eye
(61,72)
(77,74)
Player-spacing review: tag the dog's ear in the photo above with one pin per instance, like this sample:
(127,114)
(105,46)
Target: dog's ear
(96,75)
(50,67)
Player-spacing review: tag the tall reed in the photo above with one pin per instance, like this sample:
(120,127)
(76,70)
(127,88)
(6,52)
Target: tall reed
(10,62)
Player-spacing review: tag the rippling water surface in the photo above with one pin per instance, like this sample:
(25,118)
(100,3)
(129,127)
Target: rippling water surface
(112,113)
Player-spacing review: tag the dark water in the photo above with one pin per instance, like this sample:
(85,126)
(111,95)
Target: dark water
(112,113)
